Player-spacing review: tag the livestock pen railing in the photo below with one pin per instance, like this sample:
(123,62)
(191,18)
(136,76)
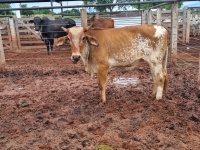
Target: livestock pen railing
(18,34)
(21,35)
(188,21)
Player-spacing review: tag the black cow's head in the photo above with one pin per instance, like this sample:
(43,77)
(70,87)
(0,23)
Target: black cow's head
(37,22)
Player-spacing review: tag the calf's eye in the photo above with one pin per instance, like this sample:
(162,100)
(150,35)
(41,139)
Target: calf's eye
(84,38)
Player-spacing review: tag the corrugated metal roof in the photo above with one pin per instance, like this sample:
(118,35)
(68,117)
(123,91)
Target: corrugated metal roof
(120,21)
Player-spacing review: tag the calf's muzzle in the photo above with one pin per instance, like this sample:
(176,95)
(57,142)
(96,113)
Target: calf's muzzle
(75,58)
(37,28)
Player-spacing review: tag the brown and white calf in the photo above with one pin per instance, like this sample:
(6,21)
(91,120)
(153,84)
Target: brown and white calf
(102,50)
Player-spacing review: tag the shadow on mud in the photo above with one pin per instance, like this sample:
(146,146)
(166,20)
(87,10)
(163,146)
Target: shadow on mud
(37,73)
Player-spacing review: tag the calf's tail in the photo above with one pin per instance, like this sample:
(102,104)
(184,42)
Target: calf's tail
(165,71)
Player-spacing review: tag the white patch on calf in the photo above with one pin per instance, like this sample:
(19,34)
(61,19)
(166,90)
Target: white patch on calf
(159,31)
(76,35)
(112,62)
(137,49)
(159,93)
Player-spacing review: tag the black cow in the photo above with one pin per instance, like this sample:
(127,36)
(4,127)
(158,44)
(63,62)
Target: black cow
(50,29)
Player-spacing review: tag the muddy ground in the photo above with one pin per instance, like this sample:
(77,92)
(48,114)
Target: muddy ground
(48,103)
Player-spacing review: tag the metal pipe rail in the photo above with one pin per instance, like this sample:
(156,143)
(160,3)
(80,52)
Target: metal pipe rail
(94,5)
(34,1)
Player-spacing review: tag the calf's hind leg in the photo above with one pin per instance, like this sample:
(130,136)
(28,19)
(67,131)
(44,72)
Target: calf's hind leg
(160,79)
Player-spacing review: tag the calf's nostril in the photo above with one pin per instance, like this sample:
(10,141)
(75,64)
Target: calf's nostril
(76,57)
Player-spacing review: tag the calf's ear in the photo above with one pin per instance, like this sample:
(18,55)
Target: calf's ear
(88,27)
(61,40)
(92,40)
(30,21)
(65,29)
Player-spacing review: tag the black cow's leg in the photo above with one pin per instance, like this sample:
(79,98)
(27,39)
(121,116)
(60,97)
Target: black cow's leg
(51,44)
(47,45)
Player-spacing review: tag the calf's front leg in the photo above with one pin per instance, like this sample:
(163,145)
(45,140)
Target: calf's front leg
(102,76)
(51,42)
(47,46)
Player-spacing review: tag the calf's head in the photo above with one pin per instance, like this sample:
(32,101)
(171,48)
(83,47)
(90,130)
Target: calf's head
(78,40)
(91,20)
(37,23)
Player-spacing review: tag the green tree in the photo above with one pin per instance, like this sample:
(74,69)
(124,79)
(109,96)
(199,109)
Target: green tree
(26,12)
(169,6)
(5,5)
(75,11)
(108,8)
(101,8)
(105,8)
(37,11)
(124,7)
(42,11)
(72,11)
(88,2)
(146,6)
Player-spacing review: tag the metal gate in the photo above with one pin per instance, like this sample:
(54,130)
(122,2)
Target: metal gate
(18,34)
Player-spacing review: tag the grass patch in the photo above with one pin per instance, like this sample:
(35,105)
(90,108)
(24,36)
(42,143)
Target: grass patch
(103,147)
(184,64)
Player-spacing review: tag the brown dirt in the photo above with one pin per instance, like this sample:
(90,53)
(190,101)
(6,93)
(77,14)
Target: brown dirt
(48,103)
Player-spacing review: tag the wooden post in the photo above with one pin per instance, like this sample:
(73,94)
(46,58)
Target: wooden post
(198,81)
(174,33)
(17,33)
(13,33)
(187,36)
(144,17)
(9,33)
(149,16)
(158,18)
(97,16)
(2,56)
(184,23)
(83,18)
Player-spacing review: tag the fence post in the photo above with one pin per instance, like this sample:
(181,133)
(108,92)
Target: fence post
(83,18)
(158,18)
(174,33)
(184,23)
(2,56)
(9,33)
(97,16)
(198,80)
(17,33)
(187,36)
(149,16)
(13,33)
(144,16)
